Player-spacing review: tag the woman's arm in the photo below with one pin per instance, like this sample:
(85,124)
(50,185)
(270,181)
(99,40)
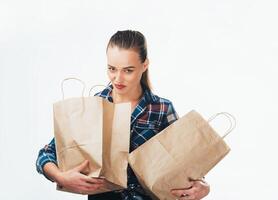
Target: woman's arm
(72,179)
(46,155)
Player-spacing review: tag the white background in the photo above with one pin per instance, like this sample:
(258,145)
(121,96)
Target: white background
(208,55)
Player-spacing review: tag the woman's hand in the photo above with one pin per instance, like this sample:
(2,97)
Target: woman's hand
(77,182)
(198,190)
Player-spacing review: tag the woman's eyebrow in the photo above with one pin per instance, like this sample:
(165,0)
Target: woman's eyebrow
(128,67)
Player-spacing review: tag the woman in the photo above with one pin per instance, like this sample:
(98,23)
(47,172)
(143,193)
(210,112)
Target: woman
(127,63)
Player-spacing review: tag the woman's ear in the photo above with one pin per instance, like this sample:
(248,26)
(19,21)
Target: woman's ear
(146,65)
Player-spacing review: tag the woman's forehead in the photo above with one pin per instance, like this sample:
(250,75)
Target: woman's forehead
(119,57)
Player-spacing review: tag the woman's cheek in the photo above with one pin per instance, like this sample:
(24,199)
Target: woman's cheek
(135,78)
(110,76)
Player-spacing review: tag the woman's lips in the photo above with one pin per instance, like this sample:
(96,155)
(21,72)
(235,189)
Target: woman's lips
(119,86)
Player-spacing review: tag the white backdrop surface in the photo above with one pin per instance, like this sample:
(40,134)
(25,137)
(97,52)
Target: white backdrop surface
(212,56)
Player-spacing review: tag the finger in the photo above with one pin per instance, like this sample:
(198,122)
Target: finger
(185,189)
(189,186)
(90,189)
(82,166)
(188,198)
(179,193)
(199,182)
(182,195)
(84,188)
(184,192)
(94,180)
(90,186)
(198,185)
(192,191)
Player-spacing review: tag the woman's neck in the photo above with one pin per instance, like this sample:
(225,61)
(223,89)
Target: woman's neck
(133,96)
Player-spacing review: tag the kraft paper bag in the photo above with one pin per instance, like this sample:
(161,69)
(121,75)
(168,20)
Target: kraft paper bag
(91,128)
(186,150)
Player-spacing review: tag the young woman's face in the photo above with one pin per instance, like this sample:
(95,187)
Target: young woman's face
(125,69)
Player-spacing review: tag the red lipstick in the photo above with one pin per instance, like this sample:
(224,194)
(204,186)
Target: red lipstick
(119,86)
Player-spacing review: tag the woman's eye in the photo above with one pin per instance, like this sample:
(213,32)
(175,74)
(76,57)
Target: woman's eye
(128,71)
(112,69)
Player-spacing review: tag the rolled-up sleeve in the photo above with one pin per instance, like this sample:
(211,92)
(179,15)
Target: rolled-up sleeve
(46,154)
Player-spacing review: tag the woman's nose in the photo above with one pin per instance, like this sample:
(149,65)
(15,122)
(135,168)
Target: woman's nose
(119,76)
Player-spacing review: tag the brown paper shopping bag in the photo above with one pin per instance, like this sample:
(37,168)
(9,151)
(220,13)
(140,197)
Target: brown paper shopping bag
(91,128)
(187,149)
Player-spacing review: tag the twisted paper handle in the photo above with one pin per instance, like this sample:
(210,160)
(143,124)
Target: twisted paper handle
(231,118)
(94,87)
(72,78)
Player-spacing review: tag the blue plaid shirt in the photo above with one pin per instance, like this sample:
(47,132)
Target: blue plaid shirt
(151,115)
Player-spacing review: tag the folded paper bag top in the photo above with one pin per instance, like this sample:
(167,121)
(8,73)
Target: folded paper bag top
(187,149)
(91,128)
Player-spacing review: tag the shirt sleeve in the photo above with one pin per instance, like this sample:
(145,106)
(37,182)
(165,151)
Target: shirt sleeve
(46,154)
(171,115)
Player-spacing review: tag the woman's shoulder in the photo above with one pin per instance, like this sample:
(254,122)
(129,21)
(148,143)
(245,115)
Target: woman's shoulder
(161,108)
(159,104)
(155,99)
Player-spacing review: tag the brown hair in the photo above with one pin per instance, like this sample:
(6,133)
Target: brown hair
(129,39)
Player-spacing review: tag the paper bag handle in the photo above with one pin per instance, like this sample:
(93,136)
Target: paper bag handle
(231,118)
(72,78)
(93,88)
